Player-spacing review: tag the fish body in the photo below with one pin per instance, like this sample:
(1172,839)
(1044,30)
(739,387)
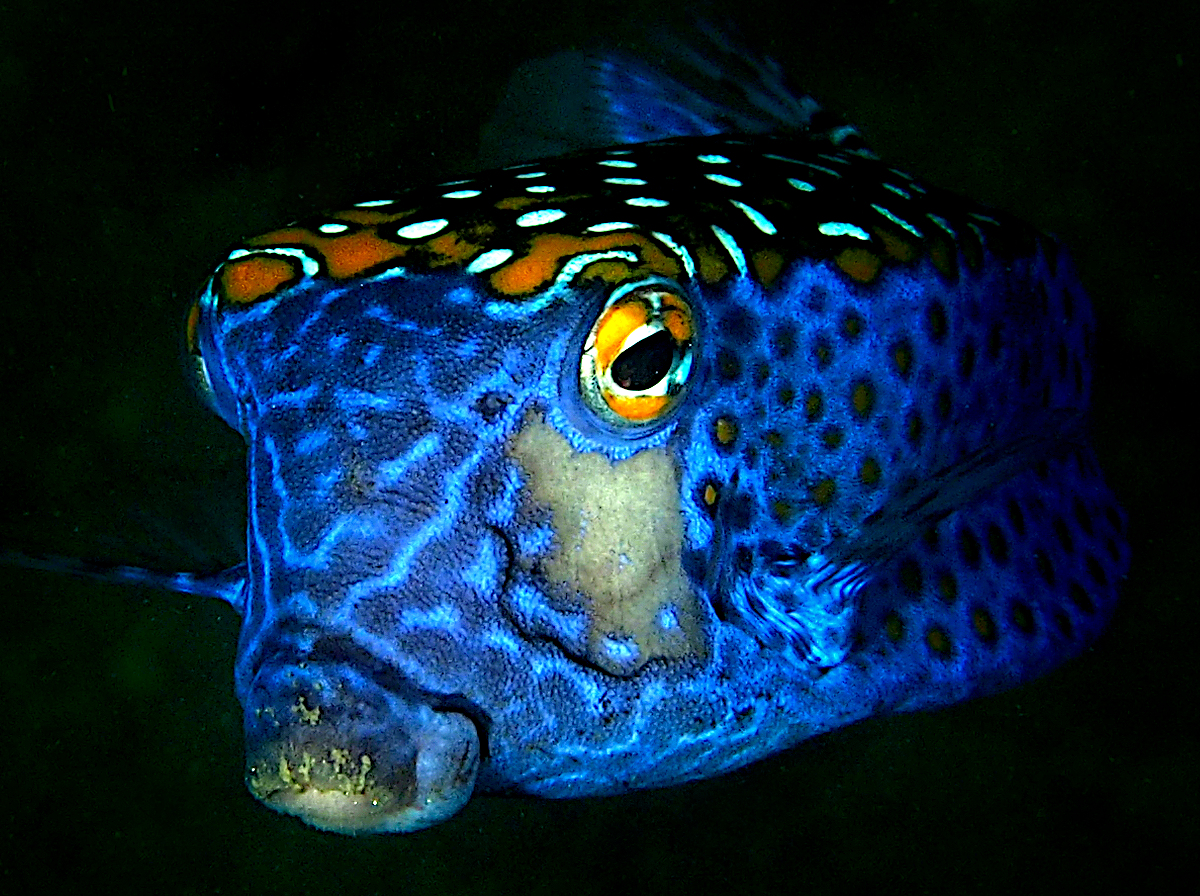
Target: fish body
(635,465)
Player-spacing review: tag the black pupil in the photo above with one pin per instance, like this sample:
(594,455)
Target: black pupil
(643,365)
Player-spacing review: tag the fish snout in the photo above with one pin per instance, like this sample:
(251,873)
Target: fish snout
(344,754)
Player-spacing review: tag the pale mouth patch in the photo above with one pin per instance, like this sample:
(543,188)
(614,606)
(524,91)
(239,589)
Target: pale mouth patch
(421,775)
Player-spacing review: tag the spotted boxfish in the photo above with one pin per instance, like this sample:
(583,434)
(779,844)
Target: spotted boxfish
(634,465)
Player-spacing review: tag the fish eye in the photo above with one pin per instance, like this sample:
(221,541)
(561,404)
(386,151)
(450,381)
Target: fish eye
(637,358)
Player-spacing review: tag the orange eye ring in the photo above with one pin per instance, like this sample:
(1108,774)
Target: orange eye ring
(637,359)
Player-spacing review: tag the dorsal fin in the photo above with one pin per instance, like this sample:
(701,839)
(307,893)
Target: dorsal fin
(704,84)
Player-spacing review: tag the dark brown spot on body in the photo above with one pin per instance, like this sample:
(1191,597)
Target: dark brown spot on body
(1080,598)
(938,641)
(1022,617)
(969,548)
(935,322)
(997,545)
(985,627)
(725,432)
(869,472)
(862,398)
(822,493)
(910,578)
(902,358)
(814,406)
(852,325)
(914,427)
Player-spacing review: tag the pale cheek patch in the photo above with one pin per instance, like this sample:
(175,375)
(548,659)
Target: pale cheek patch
(618,537)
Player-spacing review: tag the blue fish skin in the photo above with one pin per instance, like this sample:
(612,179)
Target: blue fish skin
(633,466)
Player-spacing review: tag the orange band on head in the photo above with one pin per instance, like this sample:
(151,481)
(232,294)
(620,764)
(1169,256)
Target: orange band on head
(192,331)
(548,252)
(253,278)
(345,256)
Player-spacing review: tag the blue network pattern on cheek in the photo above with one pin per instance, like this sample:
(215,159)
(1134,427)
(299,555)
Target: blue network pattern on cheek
(637,464)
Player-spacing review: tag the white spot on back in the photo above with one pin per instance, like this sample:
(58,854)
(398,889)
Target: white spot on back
(374,203)
(713,159)
(422,229)
(688,264)
(757,218)
(333,228)
(883,211)
(462,194)
(802,185)
(531,174)
(617,163)
(731,246)
(646,202)
(308,264)
(724,180)
(608,226)
(579,262)
(944,224)
(488,260)
(837,135)
(540,216)
(841,228)
(821,168)
(625,181)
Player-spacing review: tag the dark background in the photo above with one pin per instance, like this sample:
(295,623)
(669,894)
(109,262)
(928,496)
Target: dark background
(138,140)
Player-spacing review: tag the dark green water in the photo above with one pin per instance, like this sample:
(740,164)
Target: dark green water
(138,140)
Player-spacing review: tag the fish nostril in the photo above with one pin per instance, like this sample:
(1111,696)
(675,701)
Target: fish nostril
(491,405)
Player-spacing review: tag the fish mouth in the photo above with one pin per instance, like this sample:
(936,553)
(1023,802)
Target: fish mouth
(332,747)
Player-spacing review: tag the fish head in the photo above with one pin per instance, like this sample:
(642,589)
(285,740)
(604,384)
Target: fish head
(448,483)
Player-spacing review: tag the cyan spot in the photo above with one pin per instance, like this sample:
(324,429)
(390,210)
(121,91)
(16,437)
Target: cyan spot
(623,650)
